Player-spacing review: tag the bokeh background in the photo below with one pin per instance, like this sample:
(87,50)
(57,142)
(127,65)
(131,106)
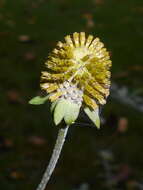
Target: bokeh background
(110,158)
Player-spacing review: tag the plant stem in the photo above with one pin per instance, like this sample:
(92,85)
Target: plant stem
(54,158)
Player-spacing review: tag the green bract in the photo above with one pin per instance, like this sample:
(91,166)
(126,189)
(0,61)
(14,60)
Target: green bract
(72,112)
(59,111)
(38,100)
(65,109)
(93,115)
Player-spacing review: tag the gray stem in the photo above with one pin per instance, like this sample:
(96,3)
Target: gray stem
(55,156)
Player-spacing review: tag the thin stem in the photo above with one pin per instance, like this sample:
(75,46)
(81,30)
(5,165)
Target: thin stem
(54,158)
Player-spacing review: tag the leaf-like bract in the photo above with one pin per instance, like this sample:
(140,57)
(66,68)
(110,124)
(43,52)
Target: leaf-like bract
(38,100)
(72,112)
(93,115)
(59,111)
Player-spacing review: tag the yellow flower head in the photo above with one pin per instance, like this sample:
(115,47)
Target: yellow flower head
(78,71)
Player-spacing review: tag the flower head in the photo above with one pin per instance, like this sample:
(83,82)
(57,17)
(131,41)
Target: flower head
(78,72)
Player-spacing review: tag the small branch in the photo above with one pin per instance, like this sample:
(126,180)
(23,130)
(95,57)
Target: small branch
(55,156)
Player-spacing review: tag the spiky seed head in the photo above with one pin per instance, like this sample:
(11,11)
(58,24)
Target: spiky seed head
(78,71)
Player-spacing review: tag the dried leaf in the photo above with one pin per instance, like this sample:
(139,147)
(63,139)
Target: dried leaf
(23,38)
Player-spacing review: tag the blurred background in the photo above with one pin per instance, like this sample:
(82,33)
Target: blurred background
(106,159)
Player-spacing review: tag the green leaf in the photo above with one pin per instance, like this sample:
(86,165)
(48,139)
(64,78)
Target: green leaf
(93,115)
(38,100)
(59,111)
(72,112)
(53,105)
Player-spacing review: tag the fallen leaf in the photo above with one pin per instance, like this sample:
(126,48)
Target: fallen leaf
(23,38)
(36,140)
(122,125)
(121,75)
(99,2)
(29,56)
(14,97)
(16,175)
(6,144)
(89,20)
